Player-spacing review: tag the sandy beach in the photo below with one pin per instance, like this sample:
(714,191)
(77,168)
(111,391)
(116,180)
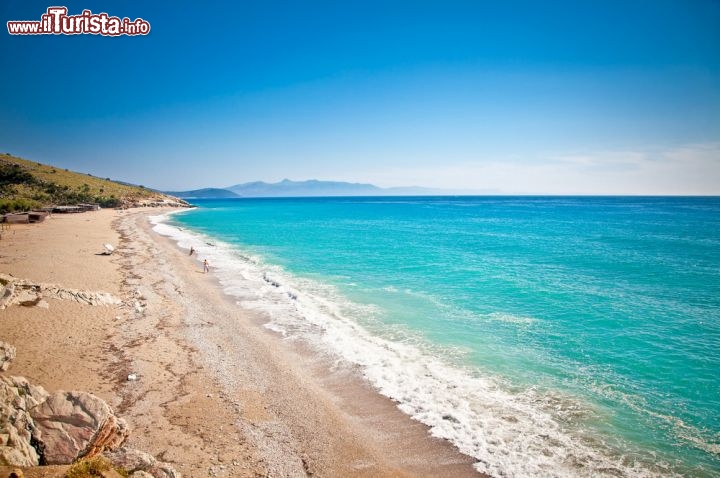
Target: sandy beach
(216,393)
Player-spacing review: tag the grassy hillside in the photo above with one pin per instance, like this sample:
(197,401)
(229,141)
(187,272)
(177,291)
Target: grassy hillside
(26,184)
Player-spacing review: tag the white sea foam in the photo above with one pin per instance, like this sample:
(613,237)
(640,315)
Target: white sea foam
(511,319)
(511,433)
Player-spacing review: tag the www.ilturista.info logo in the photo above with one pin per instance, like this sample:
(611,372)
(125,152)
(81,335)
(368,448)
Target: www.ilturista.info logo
(57,22)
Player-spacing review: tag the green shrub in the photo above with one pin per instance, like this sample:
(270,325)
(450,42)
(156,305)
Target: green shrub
(14,174)
(21,204)
(107,202)
(93,467)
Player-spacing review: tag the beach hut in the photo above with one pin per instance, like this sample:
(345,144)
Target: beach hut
(66,209)
(37,216)
(17,218)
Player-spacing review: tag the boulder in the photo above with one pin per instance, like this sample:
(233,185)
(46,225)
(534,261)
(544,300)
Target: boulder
(7,355)
(6,294)
(37,428)
(72,425)
(28,293)
(136,461)
(17,399)
(27,297)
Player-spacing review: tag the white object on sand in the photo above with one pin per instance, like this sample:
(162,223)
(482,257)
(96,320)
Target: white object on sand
(109,248)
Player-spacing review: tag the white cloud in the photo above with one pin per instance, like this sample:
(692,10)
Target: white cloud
(687,170)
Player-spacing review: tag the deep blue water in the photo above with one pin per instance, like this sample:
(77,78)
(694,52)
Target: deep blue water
(553,336)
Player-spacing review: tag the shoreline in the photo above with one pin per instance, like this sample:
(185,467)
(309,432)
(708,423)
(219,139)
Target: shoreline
(216,392)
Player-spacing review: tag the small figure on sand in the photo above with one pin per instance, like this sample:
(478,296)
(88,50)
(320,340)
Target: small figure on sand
(206,266)
(192,250)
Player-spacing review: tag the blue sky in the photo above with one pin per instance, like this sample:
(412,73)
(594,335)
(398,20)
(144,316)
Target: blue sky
(572,97)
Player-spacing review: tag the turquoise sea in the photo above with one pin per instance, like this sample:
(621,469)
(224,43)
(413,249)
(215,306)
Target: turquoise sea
(544,336)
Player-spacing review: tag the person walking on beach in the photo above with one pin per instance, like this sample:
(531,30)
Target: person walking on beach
(192,250)
(206,266)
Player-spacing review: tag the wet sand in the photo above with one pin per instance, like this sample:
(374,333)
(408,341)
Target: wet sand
(217,394)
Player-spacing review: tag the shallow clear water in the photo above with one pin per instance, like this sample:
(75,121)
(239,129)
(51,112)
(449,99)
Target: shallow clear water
(544,336)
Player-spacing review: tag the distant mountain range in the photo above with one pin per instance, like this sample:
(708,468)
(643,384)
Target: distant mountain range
(310,188)
(205,193)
